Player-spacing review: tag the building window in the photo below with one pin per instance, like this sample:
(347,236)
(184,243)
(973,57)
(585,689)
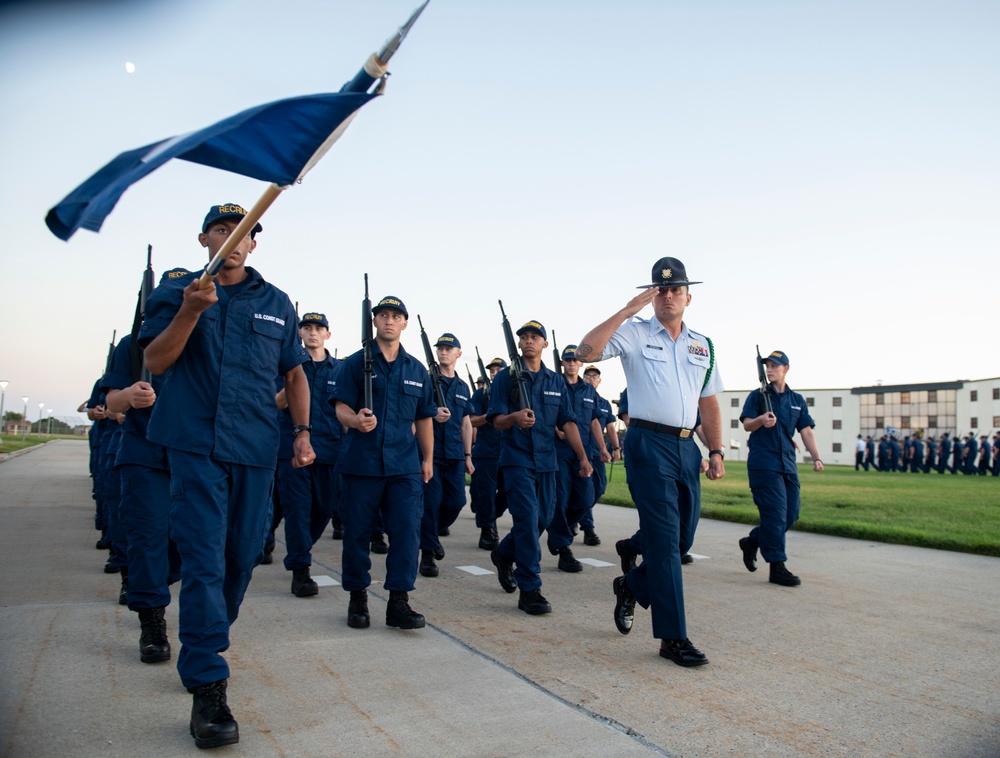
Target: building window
(880,422)
(837,402)
(904,422)
(836,447)
(836,423)
(904,398)
(974,422)
(931,396)
(932,422)
(810,401)
(735,402)
(996,395)
(735,423)
(974,395)
(880,398)
(996,421)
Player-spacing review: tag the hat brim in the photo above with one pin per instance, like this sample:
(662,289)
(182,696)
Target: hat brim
(660,284)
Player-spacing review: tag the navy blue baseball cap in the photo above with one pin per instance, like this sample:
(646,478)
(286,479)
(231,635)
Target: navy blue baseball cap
(777,356)
(590,368)
(448,340)
(668,272)
(229,210)
(389,301)
(569,353)
(533,326)
(314,318)
(497,362)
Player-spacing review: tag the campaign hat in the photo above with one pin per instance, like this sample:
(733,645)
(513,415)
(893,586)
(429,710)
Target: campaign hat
(668,272)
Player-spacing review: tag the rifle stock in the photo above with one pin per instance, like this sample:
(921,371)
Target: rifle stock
(367,338)
(139,370)
(521,397)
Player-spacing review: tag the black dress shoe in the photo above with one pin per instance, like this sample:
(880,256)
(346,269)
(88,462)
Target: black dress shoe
(378,544)
(687,558)
(110,569)
(303,584)
(682,652)
(154,647)
(212,723)
(444,532)
(488,538)
(338,528)
(399,614)
(357,610)
(784,577)
(103,544)
(505,570)
(268,555)
(749,554)
(624,605)
(123,592)
(427,565)
(568,562)
(590,538)
(627,555)
(439,553)
(532,603)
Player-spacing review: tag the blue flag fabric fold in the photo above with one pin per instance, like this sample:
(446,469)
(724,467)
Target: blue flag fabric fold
(272,142)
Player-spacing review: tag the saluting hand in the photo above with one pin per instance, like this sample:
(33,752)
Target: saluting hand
(640,301)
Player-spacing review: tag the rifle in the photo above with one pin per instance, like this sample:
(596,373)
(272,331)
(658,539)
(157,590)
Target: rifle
(472,382)
(139,370)
(432,367)
(367,339)
(556,357)
(520,389)
(111,351)
(484,375)
(765,386)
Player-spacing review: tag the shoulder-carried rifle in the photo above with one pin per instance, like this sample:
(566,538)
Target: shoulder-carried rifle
(765,386)
(139,370)
(432,367)
(367,340)
(521,397)
(556,357)
(111,351)
(483,375)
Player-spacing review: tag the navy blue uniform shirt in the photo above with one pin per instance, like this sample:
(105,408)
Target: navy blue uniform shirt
(583,400)
(401,394)
(487,444)
(533,448)
(448,445)
(773,449)
(218,397)
(135,448)
(326,430)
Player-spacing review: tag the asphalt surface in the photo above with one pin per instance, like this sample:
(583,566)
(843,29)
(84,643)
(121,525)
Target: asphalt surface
(883,651)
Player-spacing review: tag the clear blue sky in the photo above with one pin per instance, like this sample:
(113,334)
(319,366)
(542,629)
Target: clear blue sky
(831,170)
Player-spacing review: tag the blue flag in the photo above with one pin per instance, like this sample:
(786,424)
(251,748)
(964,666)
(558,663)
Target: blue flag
(277,142)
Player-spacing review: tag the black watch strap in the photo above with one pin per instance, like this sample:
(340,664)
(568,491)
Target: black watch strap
(301,428)
(722,453)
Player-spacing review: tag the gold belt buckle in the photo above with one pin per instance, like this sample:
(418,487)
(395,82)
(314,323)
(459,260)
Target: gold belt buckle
(685,433)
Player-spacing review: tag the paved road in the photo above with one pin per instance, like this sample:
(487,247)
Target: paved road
(883,651)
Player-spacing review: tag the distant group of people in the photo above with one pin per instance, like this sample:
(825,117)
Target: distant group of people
(956,455)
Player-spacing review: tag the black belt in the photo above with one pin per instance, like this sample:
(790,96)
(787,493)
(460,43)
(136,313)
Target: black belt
(676,431)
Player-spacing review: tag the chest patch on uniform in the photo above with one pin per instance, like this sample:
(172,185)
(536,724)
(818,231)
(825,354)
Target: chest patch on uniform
(552,394)
(269,317)
(413,383)
(655,347)
(696,348)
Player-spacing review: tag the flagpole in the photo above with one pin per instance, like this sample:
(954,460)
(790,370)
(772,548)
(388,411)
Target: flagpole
(242,230)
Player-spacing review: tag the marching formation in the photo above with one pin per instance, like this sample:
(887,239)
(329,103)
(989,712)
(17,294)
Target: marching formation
(917,454)
(223,414)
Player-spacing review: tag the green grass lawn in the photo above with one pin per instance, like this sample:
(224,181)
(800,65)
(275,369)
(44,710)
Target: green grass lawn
(929,510)
(10,443)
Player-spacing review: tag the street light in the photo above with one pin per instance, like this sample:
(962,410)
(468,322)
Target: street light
(24,420)
(3,396)
(49,432)
(41,410)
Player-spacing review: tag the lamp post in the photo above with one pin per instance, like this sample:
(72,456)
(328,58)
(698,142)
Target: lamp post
(24,420)
(41,411)
(3,396)
(49,432)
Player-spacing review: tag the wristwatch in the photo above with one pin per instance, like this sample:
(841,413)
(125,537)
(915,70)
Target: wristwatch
(721,453)
(301,428)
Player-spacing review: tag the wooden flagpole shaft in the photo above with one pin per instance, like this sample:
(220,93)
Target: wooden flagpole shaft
(244,228)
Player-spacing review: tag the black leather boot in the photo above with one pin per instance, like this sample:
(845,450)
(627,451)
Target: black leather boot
(357,610)
(212,723)
(123,592)
(154,647)
(399,614)
(427,565)
(303,584)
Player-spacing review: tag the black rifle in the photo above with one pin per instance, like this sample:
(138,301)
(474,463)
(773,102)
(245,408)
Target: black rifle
(765,386)
(111,351)
(432,367)
(472,382)
(139,370)
(296,311)
(367,340)
(556,358)
(520,394)
(483,375)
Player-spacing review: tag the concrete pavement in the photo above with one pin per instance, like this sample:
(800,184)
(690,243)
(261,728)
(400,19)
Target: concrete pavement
(883,651)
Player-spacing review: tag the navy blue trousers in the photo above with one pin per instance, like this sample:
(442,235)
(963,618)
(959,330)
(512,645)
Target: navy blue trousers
(483,491)
(663,479)
(219,516)
(111,485)
(308,498)
(153,560)
(531,499)
(776,495)
(399,500)
(444,499)
(574,499)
